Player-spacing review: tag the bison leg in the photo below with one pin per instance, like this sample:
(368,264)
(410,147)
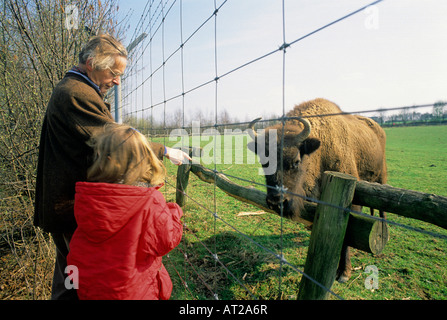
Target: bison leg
(344,266)
(381,213)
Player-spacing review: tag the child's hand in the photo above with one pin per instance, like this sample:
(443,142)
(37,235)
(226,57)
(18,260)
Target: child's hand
(177,156)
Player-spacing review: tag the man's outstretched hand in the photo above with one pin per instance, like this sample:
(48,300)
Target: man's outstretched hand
(177,156)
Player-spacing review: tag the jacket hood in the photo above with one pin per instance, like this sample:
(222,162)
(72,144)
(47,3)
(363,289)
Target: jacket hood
(101,209)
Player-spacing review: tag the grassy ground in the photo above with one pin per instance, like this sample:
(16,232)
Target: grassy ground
(413,266)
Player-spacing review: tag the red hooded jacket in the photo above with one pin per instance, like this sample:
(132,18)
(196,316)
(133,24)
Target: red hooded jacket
(123,232)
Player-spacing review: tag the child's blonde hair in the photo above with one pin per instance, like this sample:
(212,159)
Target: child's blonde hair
(123,155)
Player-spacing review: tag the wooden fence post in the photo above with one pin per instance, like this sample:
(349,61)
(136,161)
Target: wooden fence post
(328,234)
(183,175)
(182,183)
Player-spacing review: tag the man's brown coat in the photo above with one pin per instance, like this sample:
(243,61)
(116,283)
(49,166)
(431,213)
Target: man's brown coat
(75,112)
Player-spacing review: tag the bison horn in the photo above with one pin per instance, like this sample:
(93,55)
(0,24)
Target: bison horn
(306,131)
(252,131)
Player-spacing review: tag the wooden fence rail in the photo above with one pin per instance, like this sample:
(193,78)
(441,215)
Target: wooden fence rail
(422,206)
(363,233)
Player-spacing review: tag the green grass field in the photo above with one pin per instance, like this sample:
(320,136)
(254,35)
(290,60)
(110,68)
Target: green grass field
(412,266)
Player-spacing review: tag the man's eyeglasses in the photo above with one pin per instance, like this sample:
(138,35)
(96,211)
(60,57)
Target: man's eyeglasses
(114,74)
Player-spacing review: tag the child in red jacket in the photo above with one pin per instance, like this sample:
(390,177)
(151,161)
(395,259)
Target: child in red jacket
(125,225)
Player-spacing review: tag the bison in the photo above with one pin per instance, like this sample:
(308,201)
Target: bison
(319,138)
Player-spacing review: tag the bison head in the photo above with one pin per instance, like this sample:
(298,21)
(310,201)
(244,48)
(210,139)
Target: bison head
(289,144)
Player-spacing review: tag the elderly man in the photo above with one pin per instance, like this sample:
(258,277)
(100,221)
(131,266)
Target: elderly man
(75,112)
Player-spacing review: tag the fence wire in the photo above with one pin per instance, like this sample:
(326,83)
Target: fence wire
(152,21)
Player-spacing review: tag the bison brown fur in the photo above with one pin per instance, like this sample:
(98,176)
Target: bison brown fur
(328,141)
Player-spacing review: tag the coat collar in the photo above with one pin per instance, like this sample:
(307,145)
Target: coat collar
(76,70)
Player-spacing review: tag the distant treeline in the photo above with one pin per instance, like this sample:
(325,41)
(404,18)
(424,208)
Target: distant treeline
(176,120)
(410,117)
(414,123)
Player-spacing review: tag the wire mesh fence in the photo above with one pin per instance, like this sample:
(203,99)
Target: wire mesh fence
(159,96)
(183,83)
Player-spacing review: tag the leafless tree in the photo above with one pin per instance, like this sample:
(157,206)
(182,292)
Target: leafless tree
(39,41)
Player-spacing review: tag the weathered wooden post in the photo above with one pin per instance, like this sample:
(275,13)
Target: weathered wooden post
(183,175)
(328,234)
(182,183)
(366,234)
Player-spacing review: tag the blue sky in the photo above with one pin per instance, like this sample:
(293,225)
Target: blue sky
(391,55)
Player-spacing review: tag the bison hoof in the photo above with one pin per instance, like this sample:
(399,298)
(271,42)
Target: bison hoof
(343,277)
